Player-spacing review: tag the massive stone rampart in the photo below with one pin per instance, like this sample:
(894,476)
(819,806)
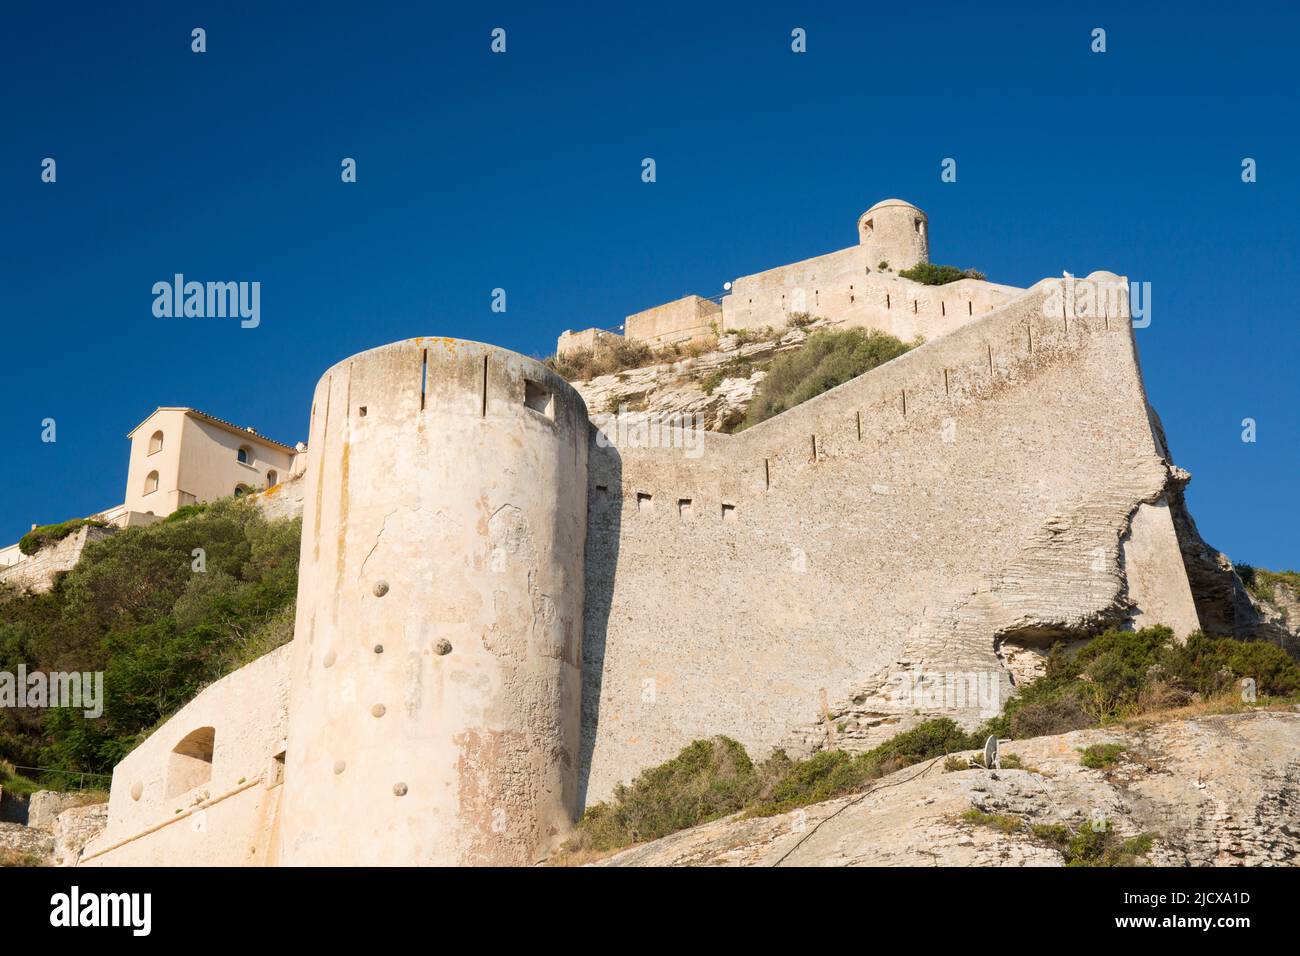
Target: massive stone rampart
(948,514)
(905,545)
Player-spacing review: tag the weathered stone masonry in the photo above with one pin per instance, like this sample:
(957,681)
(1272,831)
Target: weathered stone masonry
(500,617)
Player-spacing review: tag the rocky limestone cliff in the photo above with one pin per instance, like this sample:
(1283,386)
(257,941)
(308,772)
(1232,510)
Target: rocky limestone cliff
(717,385)
(1214,791)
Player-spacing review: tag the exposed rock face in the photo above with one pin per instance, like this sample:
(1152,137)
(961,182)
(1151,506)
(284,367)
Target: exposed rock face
(677,388)
(29,845)
(1278,620)
(74,829)
(1215,791)
(284,500)
(45,806)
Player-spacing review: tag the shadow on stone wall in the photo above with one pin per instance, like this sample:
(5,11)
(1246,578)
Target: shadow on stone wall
(604,529)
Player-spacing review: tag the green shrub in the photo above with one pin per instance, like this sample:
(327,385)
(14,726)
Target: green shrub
(734,368)
(1105,679)
(1002,822)
(927,273)
(1057,834)
(1101,756)
(49,534)
(827,359)
(1094,846)
(1263,583)
(186,512)
(707,780)
(713,778)
(136,609)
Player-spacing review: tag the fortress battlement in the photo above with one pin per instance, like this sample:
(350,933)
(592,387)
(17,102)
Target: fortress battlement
(858,286)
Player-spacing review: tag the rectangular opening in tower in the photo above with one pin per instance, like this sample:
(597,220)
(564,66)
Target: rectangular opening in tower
(684,508)
(643,501)
(539,398)
(728,512)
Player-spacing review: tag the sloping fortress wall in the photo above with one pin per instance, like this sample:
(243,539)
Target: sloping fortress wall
(436,684)
(205,788)
(947,514)
(501,614)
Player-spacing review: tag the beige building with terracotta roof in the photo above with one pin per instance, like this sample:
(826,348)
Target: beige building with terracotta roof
(182,456)
(179,456)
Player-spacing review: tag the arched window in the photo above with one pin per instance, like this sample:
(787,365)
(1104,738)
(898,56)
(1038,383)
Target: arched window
(244,455)
(190,764)
(151,483)
(272,479)
(241,490)
(155,443)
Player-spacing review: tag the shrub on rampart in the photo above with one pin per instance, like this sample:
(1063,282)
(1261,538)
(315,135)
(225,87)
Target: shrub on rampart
(828,358)
(927,273)
(48,534)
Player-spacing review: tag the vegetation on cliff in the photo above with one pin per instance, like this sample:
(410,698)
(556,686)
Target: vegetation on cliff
(48,534)
(620,354)
(161,611)
(1263,583)
(1118,675)
(827,359)
(1123,674)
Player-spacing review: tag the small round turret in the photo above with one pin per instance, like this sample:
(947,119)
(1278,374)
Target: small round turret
(896,232)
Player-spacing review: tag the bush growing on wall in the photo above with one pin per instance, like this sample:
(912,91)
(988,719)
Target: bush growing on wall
(828,358)
(49,534)
(927,273)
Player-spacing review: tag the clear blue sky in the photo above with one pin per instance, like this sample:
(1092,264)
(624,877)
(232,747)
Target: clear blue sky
(522,171)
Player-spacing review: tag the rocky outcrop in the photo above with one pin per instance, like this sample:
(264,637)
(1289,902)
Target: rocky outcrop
(24,846)
(1213,791)
(731,374)
(74,829)
(284,500)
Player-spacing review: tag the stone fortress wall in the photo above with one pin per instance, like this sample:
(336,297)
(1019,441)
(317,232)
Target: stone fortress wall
(501,616)
(37,572)
(953,510)
(856,287)
(204,789)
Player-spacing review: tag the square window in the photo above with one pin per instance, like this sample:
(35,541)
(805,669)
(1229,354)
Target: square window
(539,398)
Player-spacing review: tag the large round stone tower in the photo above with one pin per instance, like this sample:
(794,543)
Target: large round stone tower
(895,232)
(436,667)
